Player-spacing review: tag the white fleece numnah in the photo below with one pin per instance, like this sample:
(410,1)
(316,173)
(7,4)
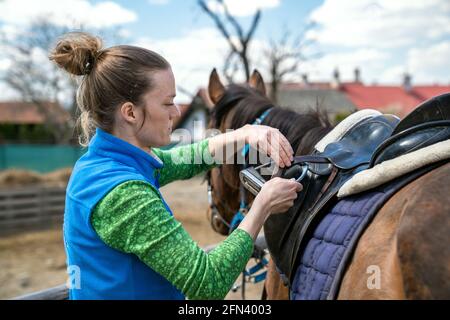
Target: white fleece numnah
(341,129)
(391,169)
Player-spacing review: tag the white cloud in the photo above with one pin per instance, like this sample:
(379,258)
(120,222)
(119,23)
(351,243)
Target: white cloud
(158,2)
(427,65)
(244,8)
(394,74)
(384,38)
(8,94)
(369,61)
(437,66)
(380,23)
(193,56)
(15,14)
(4,64)
(66,13)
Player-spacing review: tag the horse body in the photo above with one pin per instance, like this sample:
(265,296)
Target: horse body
(408,240)
(403,253)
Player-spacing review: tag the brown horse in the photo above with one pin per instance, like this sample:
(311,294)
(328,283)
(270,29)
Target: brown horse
(408,238)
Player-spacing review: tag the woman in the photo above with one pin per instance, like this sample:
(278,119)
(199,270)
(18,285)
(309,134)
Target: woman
(118,231)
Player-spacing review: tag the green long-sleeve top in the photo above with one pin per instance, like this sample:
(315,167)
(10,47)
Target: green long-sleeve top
(133,219)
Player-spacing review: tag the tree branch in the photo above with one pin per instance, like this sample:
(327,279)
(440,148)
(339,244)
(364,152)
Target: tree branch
(232,21)
(253,27)
(244,41)
(219,24)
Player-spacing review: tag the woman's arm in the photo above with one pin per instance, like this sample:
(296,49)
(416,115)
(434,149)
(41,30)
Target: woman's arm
(133,219)
(263,138)
(184,162)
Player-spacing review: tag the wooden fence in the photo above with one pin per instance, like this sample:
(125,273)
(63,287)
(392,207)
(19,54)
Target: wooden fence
(30,207)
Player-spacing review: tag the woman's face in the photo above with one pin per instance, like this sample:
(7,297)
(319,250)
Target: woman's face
(160,110)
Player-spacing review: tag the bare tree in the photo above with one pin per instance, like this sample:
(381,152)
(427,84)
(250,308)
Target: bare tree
(37,80)
(285,56)
(232,31)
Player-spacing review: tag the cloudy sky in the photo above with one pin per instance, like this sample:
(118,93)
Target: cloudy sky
(384,38)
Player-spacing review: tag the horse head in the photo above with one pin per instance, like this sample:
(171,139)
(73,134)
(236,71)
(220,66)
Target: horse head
(223,181)
(234,107)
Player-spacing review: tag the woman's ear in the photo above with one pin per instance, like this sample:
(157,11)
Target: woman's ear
(127,112)
(215,87)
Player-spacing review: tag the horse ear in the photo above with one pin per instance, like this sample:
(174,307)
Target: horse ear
(256,81)
(216,89)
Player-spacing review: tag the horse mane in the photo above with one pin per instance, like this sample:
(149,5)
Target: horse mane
(302,130)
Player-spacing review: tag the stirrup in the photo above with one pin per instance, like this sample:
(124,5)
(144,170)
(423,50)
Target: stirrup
(253,180)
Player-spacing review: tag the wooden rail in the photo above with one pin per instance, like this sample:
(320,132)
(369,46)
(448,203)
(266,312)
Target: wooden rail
(57,293)
(31,207)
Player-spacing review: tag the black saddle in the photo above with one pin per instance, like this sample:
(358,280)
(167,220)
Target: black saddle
(424,126)
(367,143)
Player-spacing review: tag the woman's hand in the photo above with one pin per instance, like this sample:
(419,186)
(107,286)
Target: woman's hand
(271,141)
(277,195)
(262,138)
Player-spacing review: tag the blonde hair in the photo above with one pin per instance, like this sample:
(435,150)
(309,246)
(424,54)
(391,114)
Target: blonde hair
(111,77)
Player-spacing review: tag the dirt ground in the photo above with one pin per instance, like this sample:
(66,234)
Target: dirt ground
(33,261)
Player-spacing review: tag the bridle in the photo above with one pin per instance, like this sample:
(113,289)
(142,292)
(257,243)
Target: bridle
(243,205)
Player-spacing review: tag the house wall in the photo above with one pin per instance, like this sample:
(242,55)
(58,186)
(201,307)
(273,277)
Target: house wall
(192,129)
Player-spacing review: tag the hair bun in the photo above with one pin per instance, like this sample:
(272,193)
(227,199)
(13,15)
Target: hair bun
(76,52)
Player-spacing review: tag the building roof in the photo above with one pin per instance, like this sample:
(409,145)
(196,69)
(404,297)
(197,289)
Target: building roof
(301,97)
(303,85)
(393,99)
(28,113)
(427,92)
(305,98)
(342,98)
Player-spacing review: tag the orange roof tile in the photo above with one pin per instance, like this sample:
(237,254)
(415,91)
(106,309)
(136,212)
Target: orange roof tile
(390,98)
(28,113)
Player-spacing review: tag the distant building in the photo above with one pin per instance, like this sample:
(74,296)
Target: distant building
(396,99)
(390,99)
(192,124)
(24,121)
(341,98)
(304,97)
(337,98)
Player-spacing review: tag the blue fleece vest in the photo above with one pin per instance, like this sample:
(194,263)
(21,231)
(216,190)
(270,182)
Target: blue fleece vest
(97,271)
